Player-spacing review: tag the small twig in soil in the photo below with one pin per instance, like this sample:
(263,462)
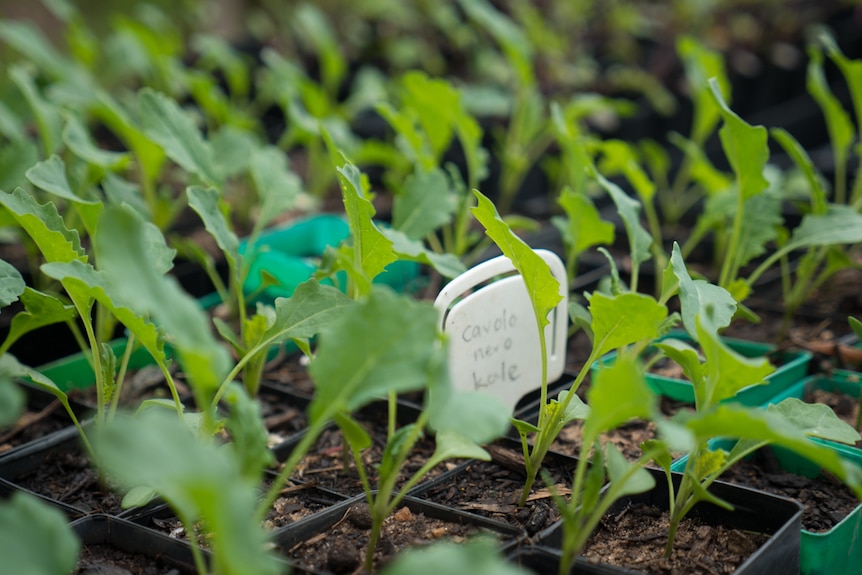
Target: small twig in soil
(300,487)
(27,420)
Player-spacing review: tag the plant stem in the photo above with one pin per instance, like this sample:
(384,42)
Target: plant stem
(121,375)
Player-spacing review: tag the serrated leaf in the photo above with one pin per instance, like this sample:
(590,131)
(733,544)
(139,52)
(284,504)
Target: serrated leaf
(12,284)
(839,225)
(122,243)
(583,226)
(45,226)
(816,419)
(695,295)
(372,251)
(380,345)
(448,265)
(745,145)
(624,319)
(174,130)
(709,462)
(619,393)
(310,309)
(423,205)
(733,420)
(50,175)
(205,201)
(36,537)
(629,208)
(542,287)
(78,140)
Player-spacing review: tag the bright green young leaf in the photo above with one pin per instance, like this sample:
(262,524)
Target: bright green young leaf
(542,286)
(619,157)
(629,208)
(35,537)
(816,419)
(201,480)
(396,446)
(379,345)
(48,122)
(372,251)
(624,319)
(50,175)
(733,420)
(576,409)
(695,295)
(850,69)
(515,44)
(12,284)
(761,224)
(703,172)
(838,121)
(618,394)
(122,243)
(583,226)
(434,102)
(685,356)
(803,161)
(40,309)
(424,204)
(77,138)
(175,131)
(745,145)
(856,325)
(312,24)
(727,371)
(205,201)
(618,466)
(354,434)
(303,315)
(45,226)
(448,265)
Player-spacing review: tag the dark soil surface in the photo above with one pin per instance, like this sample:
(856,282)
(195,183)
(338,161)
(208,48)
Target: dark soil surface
(283,416)
(67,476)
(492,489)
(290,371)
(636,537)
(32,424)
(826,500)
(341,548)
(325,463)
(106,560)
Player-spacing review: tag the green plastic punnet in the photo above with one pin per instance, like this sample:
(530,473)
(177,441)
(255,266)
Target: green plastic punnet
(834,552)
(76,372)
(291,255)
(792,366)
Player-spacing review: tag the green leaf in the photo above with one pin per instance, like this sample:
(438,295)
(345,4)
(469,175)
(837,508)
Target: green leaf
(202,481)
(618,394)
(542,287)
(640,240)
(206,202)
(696,295)
(175,131)
(839,225)
(448,265)
(733,420)
(745,145)
(12,284)
(247,433)
(515,44)
(15,159)
(380,345)
(727,372)
(816,419)
(583,226)
(50,175)
(30,41)
(276,184)
(624,319)
(354,434)
(78,140)
(12,398)
(661,454)
(856,326)
(452,445)
(838,121)
(618,466)
(123,243)
(45,226)
(709,462)
(310,309)
(45,113)
(850,69)
(685,356)
(395,450)
(803,161)
(35,537)
(576,409)
(619,157)
(423,205)
(474,416)
(372,251)
(701,64)
(480,556)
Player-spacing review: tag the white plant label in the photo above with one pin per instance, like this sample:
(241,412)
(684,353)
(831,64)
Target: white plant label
(493,335)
